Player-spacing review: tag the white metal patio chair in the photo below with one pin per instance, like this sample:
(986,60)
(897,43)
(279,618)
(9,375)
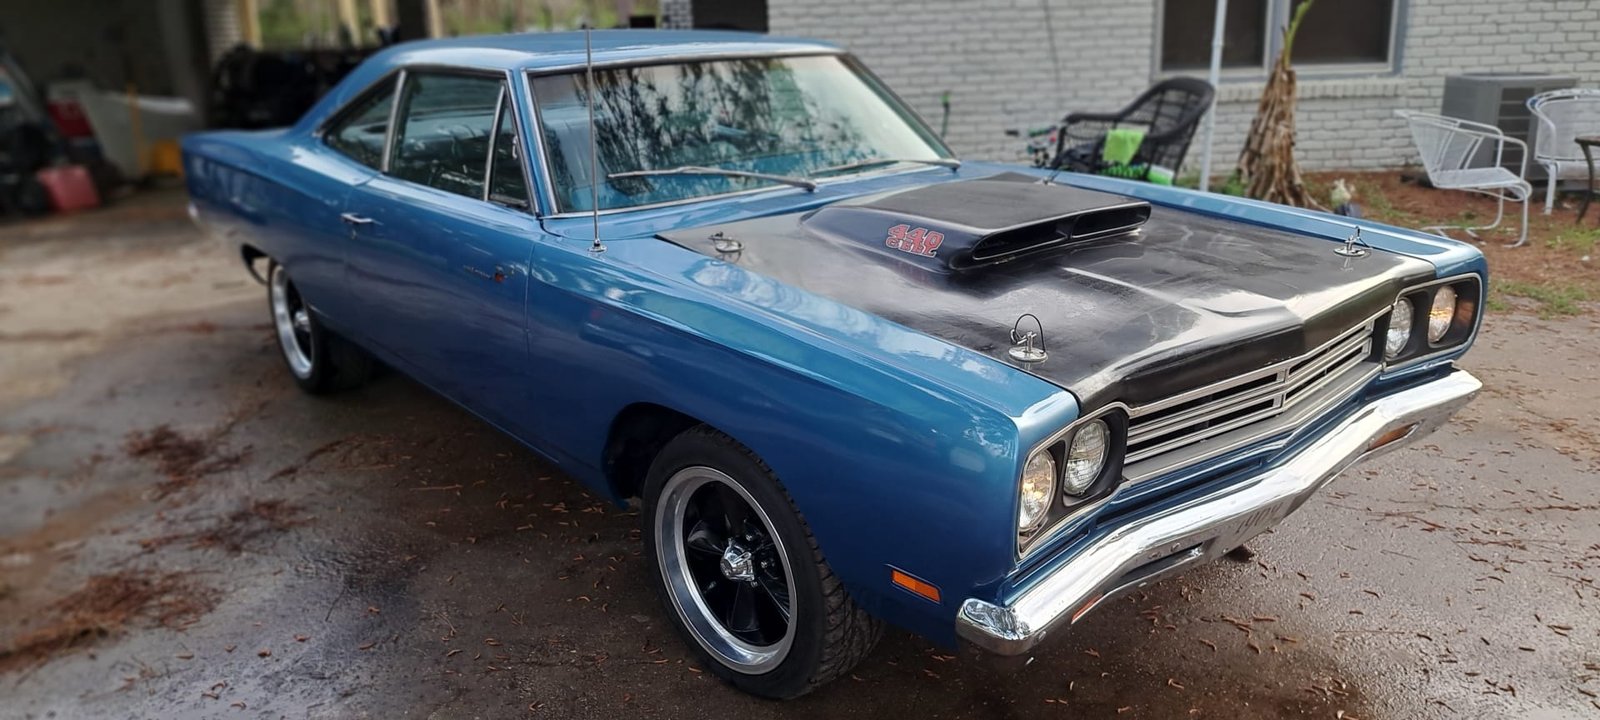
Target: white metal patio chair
(1563,116)
(1450,154)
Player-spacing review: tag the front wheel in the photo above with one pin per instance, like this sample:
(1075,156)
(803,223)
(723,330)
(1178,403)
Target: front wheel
(320,361)
(741,574)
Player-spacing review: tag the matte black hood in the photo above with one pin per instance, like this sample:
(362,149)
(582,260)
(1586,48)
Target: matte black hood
(1132,315)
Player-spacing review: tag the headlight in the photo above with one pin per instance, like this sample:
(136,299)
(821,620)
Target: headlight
(1038,486)
(1442,314)
(1086,457)
(1399,336)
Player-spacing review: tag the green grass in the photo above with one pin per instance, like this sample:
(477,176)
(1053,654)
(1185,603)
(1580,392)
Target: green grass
(1379,208)
(1580,241)
(1554,298)
(1234,186)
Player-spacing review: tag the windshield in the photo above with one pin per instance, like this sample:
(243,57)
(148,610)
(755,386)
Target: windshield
(791,116)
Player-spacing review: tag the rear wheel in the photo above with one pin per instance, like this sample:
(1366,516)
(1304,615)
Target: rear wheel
(320,361)
(741,574)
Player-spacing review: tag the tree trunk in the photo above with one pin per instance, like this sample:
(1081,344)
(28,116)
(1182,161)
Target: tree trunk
(1267,166)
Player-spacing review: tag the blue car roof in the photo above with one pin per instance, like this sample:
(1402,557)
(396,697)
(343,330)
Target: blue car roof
(542,51)
(534,51)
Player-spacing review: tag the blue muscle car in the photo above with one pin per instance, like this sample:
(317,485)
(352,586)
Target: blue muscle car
(852,379)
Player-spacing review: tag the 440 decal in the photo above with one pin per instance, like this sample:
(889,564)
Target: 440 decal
(917,241)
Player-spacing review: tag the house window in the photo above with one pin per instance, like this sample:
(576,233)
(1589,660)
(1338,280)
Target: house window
(1335,33)
(1187,25)
(1347,31)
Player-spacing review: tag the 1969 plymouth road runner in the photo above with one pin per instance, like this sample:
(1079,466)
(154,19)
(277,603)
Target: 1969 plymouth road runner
(852,379)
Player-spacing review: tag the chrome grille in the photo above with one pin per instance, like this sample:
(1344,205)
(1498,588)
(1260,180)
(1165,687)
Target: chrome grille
(1207,412)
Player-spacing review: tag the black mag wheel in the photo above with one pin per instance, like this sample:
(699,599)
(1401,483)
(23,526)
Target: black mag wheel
(727,573)
(741,574)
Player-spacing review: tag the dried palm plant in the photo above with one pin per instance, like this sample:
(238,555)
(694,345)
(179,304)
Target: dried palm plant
(1267,169)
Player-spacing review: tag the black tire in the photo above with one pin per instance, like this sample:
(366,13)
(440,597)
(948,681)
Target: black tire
(319,361)
(830,633)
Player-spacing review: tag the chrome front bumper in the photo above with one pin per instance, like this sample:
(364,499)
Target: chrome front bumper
(1155,547)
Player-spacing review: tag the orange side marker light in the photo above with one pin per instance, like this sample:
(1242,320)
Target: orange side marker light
(915,585)
(1086,607)
(1395,435)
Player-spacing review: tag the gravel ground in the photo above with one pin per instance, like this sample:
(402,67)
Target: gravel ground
(184,535)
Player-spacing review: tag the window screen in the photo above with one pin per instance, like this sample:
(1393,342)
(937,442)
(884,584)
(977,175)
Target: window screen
(446,122)
(1186,27)
(361,132)
(1347,31)
(1334,32)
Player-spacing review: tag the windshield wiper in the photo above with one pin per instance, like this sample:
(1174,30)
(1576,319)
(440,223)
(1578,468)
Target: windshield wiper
(701,170)
(951,163)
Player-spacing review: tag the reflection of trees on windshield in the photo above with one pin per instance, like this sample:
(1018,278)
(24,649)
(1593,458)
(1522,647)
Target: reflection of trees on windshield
(782,116)
(740,114)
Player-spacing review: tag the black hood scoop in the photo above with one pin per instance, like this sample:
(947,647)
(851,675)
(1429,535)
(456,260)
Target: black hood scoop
(970,224)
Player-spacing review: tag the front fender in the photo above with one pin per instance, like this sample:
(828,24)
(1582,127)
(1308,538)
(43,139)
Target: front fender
(885,441)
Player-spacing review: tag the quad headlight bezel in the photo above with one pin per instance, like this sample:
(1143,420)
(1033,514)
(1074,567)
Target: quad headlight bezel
(1425,340)
(1113,419)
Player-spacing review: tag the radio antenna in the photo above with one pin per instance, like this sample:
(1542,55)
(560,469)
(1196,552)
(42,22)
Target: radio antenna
(594,152)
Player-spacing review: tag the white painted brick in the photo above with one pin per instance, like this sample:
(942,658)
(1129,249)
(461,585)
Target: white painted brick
(996,59)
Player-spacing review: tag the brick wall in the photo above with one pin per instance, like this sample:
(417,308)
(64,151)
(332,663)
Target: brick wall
(677,14)
(1011,63)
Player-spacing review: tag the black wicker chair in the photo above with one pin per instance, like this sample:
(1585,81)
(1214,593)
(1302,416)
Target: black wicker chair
(1169,112)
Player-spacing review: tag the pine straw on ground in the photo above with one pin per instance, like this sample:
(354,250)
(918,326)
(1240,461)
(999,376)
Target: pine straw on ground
(257,519)
(103,607)
(183,459)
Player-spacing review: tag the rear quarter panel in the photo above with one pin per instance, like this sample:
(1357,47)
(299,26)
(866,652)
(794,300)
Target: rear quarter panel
(280,193)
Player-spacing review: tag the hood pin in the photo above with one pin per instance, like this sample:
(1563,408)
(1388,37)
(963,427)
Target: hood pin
(724,244)
(1350,250)
(1023,348)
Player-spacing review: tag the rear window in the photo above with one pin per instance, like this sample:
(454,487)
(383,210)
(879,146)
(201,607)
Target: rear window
(360,133)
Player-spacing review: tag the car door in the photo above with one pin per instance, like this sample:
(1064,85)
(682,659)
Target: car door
(443,240)
(314,187)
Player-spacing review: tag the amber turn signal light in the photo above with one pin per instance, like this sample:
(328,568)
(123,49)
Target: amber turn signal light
(1392,436)
(915,585)
(1086,607)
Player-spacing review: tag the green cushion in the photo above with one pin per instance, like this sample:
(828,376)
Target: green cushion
(1121,145)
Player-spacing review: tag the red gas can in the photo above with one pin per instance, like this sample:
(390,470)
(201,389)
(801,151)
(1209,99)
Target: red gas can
(70,120)
(71,187)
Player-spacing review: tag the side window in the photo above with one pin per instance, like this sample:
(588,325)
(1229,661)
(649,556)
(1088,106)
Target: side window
(507,184)
(362,130)
(445,125)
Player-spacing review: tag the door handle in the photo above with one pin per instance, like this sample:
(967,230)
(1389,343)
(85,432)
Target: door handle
(354,219)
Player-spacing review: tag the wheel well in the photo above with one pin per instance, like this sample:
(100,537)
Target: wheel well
(637,434)
(250,254)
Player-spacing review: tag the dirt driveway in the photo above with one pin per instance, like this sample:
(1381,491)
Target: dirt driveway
(184,535)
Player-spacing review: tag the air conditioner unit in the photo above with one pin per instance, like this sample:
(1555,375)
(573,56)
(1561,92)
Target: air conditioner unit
(1501,100)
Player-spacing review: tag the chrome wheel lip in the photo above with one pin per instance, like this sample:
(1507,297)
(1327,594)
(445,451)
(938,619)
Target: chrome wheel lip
(292,320)
(671,553)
